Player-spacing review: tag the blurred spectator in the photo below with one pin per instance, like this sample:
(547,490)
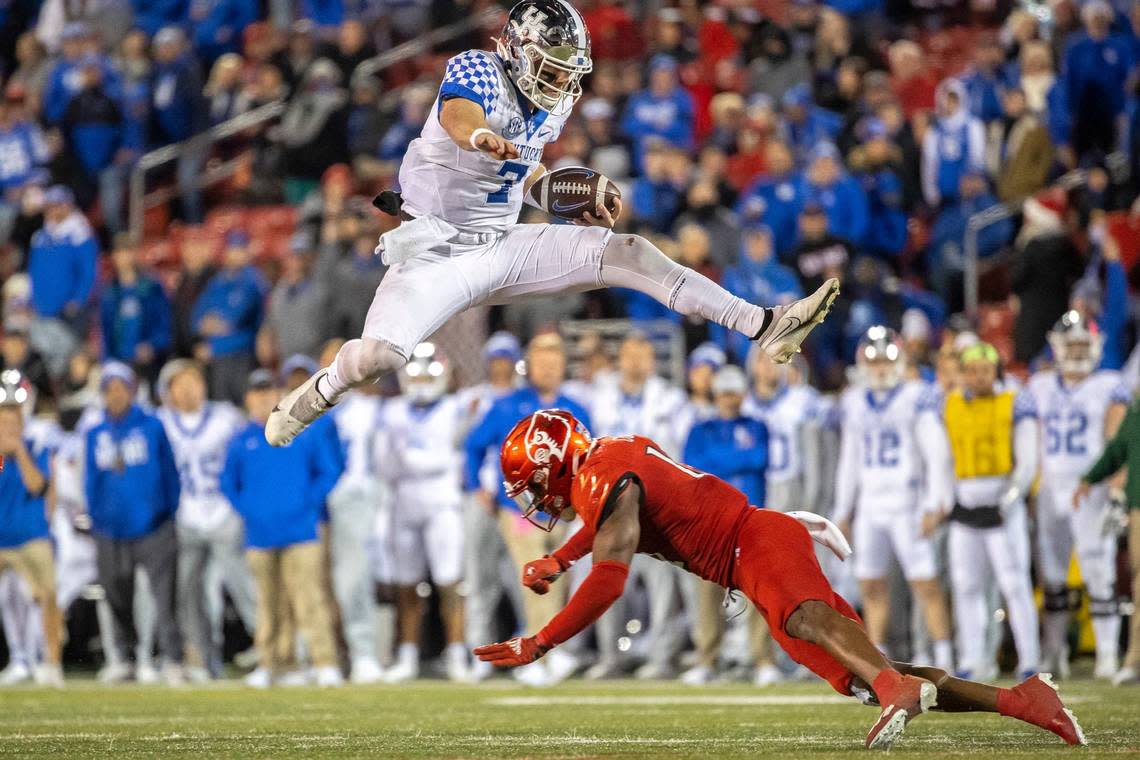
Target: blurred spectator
(313,129)
(842,198)
(78,390)
(982,80)
(132,490)
(61,265)
(352,48)
(757,277)
(779,67)
(296,310)
(607,153)
(218,26)
(875,164)
(1044,271)
(32,69)
(135,313)
(178,111)
(226,96)
(226,317)
(152,16)
(910,78)
(365,125)
(1096,67)
(614,33)
(674,37)
(196,271)
(693,250)
(945,256)
(952,146)
(353,279)
(135,65)
(820,254)
(300,53)
(415,105)
(773,199)
(717,222)
(805,123)
(18,354)
(25,154)
(64,82)
(280,493)
(655,197)
(663,110)
(95,128)
(1020,154)
(1045,96)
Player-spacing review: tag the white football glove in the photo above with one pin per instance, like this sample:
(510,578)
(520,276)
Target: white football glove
(825,532)
(1116,516)
(1009,499)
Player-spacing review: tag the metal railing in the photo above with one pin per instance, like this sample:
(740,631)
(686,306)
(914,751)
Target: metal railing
(139,200)
(989,216)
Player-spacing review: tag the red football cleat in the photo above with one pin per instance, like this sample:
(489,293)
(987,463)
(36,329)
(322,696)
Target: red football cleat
(1035,700)
(912,697)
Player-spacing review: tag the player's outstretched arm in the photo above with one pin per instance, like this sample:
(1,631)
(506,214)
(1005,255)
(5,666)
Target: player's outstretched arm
(538,574)
(614,547)
(466,124)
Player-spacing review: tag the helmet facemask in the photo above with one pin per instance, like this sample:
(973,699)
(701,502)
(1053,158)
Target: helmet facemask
(538,505)
(425,378)
(1077,355)
(546,63)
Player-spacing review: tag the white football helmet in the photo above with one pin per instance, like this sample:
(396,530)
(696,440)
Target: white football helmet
(424,379)
(546,48)
(880,358)
(1076,342)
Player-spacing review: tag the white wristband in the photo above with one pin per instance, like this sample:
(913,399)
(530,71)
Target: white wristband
(476,133)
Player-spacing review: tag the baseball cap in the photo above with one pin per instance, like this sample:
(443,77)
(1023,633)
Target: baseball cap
(730,379)
(662,61)
(296,363)
(237,239)
(502,345)
(260,379)
(707,354)
(798,95)
(58,195)
(73,30)
(116,371)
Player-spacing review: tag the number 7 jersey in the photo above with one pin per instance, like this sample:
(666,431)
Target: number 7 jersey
(688,517)
(470,189)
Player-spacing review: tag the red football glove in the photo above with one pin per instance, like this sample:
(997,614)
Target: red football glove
(538,574)
(509,654)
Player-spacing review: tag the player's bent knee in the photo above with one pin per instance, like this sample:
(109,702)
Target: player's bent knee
(809,621)
(636,254)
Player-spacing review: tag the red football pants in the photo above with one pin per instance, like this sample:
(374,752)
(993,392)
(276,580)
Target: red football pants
(776,568)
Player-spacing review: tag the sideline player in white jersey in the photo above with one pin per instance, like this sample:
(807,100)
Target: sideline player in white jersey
(463,182)
(894,463)
(420,458)
(789,411)
(210,535)
(1080,408)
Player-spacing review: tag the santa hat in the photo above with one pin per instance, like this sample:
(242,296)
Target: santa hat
(1048,208)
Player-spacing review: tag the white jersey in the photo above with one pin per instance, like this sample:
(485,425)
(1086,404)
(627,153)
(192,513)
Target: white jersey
(420,453)
(358,418)
(474,401)
(1072,423)
(199,441)
(786,414)
(894,455)
(653,413)
(470,189)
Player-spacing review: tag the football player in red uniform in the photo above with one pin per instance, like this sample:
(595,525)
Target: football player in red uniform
(633,498)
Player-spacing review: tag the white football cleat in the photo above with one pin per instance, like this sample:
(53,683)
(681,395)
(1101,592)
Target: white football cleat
(1106,667)
(50,675)
(480,671)
(365,671)
(113,673)
(767,675)
(197,675)
(535,674)
(296,678)
(561,665)
(16,672)
(698,675)
(1126,676)
(912,698)
(328,677)
(173,675)
(146,673)
(300,407)
(259,679)
(602,670)
(792,323)
(402,672)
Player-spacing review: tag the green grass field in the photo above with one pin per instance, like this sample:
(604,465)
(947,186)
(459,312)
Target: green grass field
(500,720)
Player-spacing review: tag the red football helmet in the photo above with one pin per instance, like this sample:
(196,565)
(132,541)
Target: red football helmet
(538,459)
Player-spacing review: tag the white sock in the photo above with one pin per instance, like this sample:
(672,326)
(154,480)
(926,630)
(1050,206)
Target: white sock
(456,652)
(408,654)
(1106,628)
(944,655)
(326,385)
(1053,630)
(693,293)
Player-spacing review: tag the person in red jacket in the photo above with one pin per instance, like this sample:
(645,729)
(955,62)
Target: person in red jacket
(632,497)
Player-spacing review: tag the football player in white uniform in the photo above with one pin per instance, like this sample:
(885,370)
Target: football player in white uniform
(893,466)
(210,535)
(639,402)
(1080,408)
(420,459)
(463,182)
(789,411)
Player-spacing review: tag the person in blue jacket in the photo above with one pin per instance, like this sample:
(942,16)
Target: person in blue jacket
(757,277)
(153,15)
(135,313)
(94,124)
(132,487)
(227,317)
(1095,69)
(65,79)
(178,110)
(279,494)
(954,144)
(218,26)
(842,198)
(772,200)
(983,80)
(805,123)
(664,110)
(23,147)
(945,255)
(875,164)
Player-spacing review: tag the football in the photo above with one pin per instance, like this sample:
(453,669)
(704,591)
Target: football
(570,192)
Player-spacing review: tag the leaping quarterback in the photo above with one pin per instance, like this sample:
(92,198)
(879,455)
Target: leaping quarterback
(634,498)
(463,183)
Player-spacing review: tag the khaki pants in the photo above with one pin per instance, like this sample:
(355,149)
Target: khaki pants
(33,561)
(708,632)
(290,588)
(524,543)
(1132,657)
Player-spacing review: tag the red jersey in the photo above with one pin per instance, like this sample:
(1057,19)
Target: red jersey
(688,517)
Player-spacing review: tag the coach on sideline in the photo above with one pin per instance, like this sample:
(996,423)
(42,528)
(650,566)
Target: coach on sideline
(1124,450)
